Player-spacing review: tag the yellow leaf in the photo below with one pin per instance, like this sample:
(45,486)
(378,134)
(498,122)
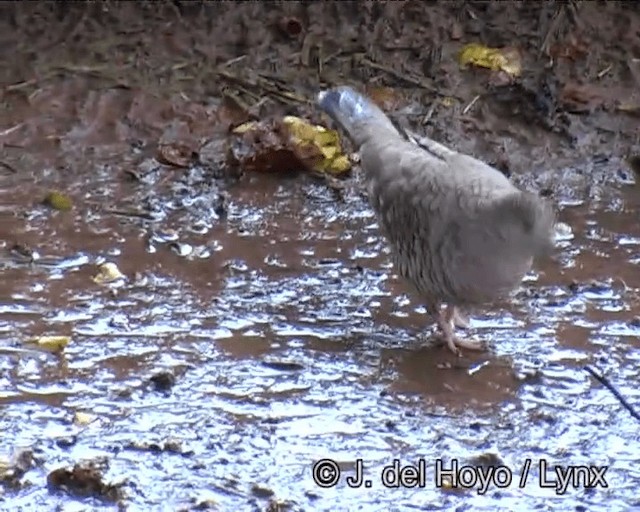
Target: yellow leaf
(448,101)
(244,127)
(326,138)
(5,466)
(340,164)
(324,142)
(58,201)
(83,418)
(107,273)
(447,485)
(329,152)
(300,129)
(507,60)
(56,343)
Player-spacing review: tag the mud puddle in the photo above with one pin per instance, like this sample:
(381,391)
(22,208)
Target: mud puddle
(222,379)
(259,327)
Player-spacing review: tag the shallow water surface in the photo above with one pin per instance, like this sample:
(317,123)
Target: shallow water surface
(292,340)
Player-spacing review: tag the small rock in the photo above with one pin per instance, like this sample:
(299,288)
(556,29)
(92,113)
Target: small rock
(283,366)
(163,381)
(488,459)
(261,491)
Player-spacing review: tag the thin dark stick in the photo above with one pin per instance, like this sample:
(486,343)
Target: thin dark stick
(605,382)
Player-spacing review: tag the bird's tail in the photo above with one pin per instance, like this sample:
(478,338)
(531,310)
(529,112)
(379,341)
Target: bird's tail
(355,113)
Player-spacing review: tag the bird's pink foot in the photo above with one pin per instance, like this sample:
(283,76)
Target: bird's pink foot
(446,322)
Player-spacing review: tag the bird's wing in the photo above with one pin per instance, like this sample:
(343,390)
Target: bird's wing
(494,241)
(457,214)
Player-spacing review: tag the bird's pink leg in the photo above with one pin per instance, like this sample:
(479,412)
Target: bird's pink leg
(460,319)
(446,327)
(446,323)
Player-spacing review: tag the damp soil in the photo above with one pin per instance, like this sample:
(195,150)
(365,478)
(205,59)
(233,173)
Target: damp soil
(259,325)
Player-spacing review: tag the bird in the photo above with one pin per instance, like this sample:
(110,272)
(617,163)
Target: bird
(460,232)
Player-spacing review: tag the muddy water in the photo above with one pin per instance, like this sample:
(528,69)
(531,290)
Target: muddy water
(291,340)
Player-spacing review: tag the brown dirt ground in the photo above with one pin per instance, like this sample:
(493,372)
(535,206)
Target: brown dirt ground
(106,77)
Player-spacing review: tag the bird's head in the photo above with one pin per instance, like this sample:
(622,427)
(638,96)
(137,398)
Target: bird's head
(354,112)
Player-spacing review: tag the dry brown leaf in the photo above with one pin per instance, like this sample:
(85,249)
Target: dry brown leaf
(581,98)
(456,31)
(386,98)
(573,48)
(175,154)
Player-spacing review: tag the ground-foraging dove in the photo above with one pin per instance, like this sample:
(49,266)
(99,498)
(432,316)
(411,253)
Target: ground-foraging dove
(460,232)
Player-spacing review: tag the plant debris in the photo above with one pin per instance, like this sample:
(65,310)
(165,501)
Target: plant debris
(176,155)
(53,343)
(85,479)
(170,445)
(288,144)
(496,59)
(107,273)
(22,253)
(12,470)
(317,146)
(283,366)
(83,418)
(58,201)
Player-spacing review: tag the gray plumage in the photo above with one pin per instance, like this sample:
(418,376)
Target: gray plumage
(461,233)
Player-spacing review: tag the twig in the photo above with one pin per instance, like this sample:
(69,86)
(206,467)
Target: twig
(20,85)
(268,87)
(131,213)
(605,382)
(8,167)
(554,25)
(235,60)
(341,53)
(604,71)
(82,69)
(429,113)
(241,84)
(320,48)
(11,130)
(286,96)
(236,99)
(400,76)
(69,33)
(307,45)
(470,105)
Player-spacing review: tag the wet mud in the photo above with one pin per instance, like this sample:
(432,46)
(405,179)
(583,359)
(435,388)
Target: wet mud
(259,326)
